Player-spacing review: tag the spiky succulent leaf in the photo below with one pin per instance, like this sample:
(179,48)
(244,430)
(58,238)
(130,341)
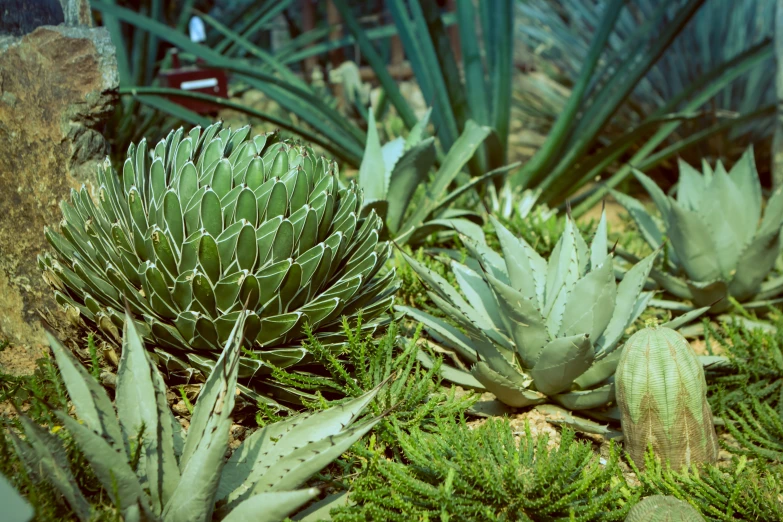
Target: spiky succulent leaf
(719,242)
(540,330)
(662,394)
(208,223)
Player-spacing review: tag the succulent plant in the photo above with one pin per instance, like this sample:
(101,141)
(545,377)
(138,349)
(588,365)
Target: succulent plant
(390,175)
(663,508)
(662,396)
(537,331)
(718,243)
(152,471)
(15,507)
(208,223)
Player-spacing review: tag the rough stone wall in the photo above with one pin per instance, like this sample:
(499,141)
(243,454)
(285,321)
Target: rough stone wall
(58,85)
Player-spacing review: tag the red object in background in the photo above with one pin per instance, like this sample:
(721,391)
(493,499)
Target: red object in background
(195,79)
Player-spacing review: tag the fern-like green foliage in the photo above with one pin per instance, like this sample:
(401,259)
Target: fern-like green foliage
(415,396)
(453,472)
(745,490)
(758,430)
(757,366)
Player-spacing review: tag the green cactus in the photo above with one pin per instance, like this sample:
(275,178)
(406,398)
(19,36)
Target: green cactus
(662,395)
(663,508)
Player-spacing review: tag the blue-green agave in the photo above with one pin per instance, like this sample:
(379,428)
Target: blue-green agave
(176,476)
(537,331)
(718,245)
(208,223)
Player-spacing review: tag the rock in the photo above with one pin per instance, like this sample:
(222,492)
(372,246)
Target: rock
(58,85)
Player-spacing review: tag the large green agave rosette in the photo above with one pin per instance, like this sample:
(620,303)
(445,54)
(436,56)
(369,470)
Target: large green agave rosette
(718,243)
(208,223)
(662,396)
(537,330)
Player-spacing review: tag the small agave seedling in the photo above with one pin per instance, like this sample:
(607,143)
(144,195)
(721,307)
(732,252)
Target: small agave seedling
(537,331)
(151,471)
(209,223)
(662,395)
(663,508)
(390,175)
(719,245)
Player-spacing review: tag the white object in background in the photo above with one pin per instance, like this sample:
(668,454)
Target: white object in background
(198,33)
(15,507)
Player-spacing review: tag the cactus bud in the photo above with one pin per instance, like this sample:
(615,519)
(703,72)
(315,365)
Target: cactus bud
(663,508)
(662,395)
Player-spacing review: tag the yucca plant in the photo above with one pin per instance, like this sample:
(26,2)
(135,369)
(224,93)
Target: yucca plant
(208,223)
(151,470)
(537,331)
(390,176)
(718,245)
(663,508)
(580,146)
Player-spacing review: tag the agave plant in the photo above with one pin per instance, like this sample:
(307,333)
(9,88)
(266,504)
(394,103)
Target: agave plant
(390,175)
(718,244)
(152,471)
(208,223)
(537,331)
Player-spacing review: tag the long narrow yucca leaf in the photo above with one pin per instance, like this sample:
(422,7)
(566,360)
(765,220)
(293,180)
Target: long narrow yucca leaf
(377,63)
(697,94)
(547,154)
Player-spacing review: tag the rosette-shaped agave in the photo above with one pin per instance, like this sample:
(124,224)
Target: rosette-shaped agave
(208,223)
(662,395)
(533,330)
(719,244)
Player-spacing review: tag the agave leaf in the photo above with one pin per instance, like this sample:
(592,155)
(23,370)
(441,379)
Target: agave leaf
(450,373)
(644,221)
(753,266)
(562,273)
(695,245)
(51,464)
(726,218)
(685,318)
(478,293)
(110,467)
(15,506)
(588,399)
(691,186)
(526,268)
(561,361)
(600,370)
(138,405)
(523,321)
(203,455)
(295,467)
(746,179)
(659,198)
(709,292)
(90,400)
(591,303)
(258,453)
(271,507)
(455,339)
(504,389)
(628,291)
